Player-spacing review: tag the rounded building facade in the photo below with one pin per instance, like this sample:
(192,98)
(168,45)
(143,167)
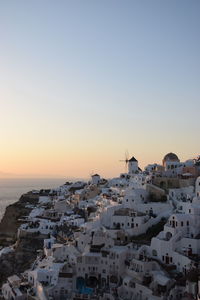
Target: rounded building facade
(170,157)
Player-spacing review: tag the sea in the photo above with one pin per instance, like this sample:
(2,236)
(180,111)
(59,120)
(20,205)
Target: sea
(12,189)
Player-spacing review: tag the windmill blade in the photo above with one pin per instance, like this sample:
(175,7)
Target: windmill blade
(126,156)
(126,160)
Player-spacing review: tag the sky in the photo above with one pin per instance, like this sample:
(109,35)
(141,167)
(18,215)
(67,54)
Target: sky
(83,81)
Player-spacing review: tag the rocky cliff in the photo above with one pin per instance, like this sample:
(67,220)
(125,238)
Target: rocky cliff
(11,219)
(25,249)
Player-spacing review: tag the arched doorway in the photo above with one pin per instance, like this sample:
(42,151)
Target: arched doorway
(80,283)
(92,282)
(168,236)
(163,185)
(113,279)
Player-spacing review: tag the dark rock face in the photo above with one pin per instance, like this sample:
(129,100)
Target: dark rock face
(21,259)
(11,219)
(25,252)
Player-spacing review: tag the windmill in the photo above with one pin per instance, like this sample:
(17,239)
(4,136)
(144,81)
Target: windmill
(126,160)
(91,173)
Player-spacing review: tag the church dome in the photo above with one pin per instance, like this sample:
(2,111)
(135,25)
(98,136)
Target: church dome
(170,157)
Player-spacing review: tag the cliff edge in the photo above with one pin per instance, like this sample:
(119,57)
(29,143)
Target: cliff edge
(11,219)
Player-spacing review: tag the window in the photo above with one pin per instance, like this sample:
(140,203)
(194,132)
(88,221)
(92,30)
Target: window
(182,223)
(154,252)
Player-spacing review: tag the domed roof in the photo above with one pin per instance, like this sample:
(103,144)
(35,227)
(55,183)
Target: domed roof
(170,157)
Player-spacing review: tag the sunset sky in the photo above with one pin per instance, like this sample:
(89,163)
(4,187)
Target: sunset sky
(81,82)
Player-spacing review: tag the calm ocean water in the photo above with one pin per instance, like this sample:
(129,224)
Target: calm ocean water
(12,189)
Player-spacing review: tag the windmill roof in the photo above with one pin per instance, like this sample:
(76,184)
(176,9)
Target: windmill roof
(95,175)
(133,159)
